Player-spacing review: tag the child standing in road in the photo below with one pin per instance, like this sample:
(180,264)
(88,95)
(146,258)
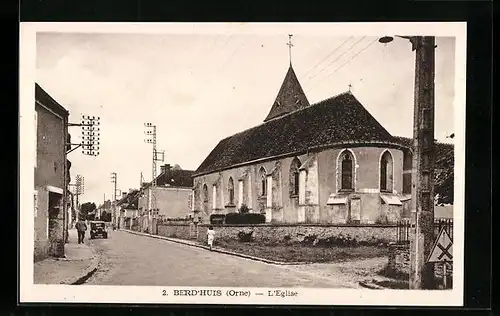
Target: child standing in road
(210,236)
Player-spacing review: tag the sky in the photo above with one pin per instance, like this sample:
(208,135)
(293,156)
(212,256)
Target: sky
(200,88)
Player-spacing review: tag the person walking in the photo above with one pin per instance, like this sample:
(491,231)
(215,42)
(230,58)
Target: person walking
(210,236)
(81,227)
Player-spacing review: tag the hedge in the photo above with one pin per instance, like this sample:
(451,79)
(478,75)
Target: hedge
(248,218)
(217,219)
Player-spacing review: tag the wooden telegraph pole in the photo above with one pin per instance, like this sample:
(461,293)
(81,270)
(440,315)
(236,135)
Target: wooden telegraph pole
(422,273)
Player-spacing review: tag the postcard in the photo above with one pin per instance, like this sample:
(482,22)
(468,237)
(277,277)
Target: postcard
(242,163)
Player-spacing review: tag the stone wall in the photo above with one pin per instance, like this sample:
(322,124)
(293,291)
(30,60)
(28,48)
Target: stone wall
(399,265)
(399,260)
(182,231)
(48,171)
(374,235)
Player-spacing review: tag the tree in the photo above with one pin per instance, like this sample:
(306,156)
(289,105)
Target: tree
(444,174)
(86,209)
(106,216)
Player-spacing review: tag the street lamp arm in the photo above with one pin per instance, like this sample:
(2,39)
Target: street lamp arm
(413,40)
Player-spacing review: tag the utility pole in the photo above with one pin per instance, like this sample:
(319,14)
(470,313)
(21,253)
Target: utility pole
(113,204)
(157,156)
(421,272)
(90,146)
(90,136)
(79,188)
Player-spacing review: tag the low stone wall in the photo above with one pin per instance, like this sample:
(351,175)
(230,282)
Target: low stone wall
(399,260)
(182,231)
(399,265)
(342,235)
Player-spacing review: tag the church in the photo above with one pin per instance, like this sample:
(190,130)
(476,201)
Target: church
(329,162)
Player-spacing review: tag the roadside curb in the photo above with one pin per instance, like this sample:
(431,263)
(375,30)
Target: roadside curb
(236,254)
(370,285)
(374,284)
(87,273)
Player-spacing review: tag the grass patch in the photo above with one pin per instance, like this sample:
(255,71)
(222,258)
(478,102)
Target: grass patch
(303,253)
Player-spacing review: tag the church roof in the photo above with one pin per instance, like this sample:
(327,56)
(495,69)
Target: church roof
(338,120)
(290,97)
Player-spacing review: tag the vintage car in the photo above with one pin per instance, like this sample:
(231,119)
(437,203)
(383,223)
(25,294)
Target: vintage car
(98,228)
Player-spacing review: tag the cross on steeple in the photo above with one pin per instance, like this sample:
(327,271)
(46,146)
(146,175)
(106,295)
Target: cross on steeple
(290,47)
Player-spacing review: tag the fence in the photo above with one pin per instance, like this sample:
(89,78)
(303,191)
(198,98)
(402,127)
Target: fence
(403,231)
(447,223)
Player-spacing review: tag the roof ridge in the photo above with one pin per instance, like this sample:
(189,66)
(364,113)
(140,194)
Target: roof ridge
(291,113)
(334,97)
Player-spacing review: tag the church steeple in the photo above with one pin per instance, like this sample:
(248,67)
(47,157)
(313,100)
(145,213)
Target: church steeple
(290,97)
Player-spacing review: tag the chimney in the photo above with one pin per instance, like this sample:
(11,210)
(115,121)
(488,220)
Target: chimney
(165,168)
(124,194)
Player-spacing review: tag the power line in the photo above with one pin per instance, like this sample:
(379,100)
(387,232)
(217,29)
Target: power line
(366,47)
(352,46)
(227,41)
(354,56)
(328,56)
(214,43)
(208,82)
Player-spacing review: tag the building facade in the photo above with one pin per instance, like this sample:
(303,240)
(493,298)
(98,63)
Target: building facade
(127,208)
(169,199)
(330,162)
(51,173)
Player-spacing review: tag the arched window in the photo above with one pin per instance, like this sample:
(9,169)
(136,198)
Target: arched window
(263,182)
(230,189)
(407,165)
(205,193)
(386,172)
(347,171)
(294,177)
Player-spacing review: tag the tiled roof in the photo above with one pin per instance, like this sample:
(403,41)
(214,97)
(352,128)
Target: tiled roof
(130,200)
(176,178)
(43,97)
(341,119)
(290,97)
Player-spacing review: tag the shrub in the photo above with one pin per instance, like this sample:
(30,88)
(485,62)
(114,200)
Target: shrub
(245,236)
(244,209)
(217,219)
(245,218)
(309,240)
